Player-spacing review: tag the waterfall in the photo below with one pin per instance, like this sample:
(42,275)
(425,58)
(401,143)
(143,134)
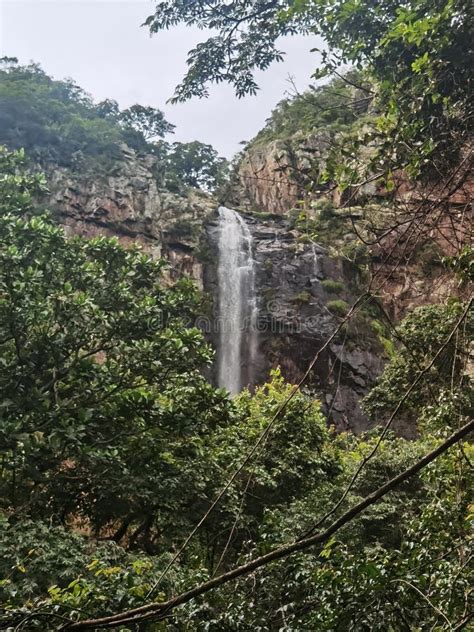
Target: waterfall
(237,303)
(316,266)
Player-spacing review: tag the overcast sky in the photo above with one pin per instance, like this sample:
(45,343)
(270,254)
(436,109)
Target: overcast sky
(100,44)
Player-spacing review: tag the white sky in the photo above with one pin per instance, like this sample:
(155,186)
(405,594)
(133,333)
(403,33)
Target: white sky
(100,44)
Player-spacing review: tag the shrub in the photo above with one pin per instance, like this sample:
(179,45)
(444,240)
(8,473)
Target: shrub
(331,286)
(302,297)
(326,211)
(338,307)
(182,228)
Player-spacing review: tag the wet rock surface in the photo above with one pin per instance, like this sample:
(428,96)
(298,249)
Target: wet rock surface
(294,320)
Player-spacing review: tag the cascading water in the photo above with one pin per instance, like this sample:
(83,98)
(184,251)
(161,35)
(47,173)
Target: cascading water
(237,302)
(316,269)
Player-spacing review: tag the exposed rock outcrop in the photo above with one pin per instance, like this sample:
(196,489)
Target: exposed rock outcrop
(129,204)
(272,176)
(303,293)
(277,176)
(405,265)
(304,285)
(292,274)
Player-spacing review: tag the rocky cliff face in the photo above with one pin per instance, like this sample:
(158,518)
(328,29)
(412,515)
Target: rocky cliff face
(303,294)
(305,288)
(129,204)
(305,282)
(272,176)
(279,177)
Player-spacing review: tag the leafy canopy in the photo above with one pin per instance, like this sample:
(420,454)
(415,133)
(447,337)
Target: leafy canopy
(446,392)
(195,165)
(418,55)
(57,122)
(62,126)
(104,408)
(147,120)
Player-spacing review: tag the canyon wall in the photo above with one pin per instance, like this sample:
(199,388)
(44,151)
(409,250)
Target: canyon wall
(300,286)
(306,276)
(280,177)
(303,293)
(128,203)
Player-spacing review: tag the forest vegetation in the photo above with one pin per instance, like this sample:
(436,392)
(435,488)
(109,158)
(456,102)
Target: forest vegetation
(57,123)
(134,494)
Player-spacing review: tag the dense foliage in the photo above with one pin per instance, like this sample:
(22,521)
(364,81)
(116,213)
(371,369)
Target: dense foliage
(194,165)
(329,108)
(424,332)
(113,446)
(57,123)
(417,56)
(99,375)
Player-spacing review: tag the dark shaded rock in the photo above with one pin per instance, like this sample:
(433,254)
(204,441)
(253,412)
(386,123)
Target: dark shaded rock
(294,321)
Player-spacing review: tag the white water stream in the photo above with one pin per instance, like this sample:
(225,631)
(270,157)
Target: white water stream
(237,303)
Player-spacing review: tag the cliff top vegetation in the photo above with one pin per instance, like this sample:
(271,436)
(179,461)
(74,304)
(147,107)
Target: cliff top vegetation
(57,123)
